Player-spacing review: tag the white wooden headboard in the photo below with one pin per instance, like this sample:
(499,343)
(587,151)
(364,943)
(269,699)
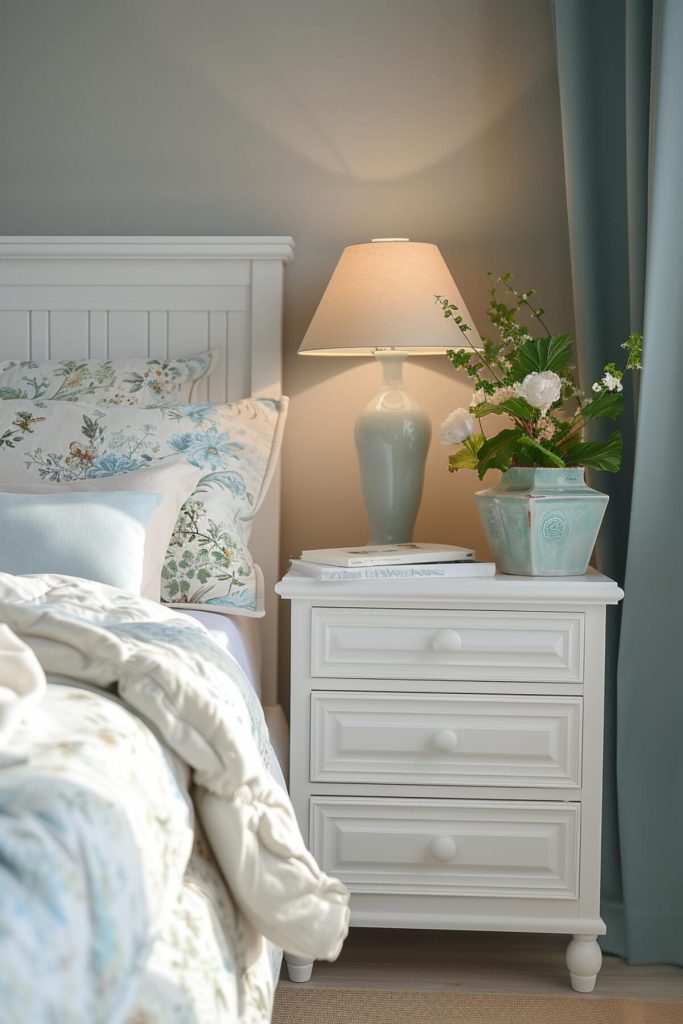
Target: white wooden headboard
(111,297)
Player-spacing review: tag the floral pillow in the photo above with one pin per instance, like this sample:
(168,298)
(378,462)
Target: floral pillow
(208,563)
(108,382)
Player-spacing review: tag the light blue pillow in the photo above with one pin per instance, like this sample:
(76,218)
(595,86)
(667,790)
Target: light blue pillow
(96,536)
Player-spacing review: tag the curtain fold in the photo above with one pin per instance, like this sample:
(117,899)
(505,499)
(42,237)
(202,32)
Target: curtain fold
(621,92)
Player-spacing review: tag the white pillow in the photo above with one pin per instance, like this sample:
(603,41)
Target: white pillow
(174,481)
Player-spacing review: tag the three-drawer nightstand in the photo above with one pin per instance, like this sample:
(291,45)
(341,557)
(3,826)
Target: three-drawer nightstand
(446,751)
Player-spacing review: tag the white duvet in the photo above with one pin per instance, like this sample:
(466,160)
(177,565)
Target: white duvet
(169,671)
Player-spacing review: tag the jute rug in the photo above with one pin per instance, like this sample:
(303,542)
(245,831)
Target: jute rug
(307,1005)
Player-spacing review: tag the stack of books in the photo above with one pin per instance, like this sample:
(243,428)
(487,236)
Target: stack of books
(390,562)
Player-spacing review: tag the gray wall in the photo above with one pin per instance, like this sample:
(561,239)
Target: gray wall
(332,120)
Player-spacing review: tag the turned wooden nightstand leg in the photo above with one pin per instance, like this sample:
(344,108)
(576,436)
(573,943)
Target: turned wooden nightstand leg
(584,960)
(299,968)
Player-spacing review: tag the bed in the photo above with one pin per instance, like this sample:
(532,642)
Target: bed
(152,869)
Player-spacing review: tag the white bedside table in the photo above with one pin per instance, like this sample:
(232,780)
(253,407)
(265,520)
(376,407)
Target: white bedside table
(446,751)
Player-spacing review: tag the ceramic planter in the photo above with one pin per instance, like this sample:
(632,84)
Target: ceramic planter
(542,522)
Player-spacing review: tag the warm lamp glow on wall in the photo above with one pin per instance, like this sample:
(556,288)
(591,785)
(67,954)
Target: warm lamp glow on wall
(380,302)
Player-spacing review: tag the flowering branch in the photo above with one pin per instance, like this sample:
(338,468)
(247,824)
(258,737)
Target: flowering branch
(530,380)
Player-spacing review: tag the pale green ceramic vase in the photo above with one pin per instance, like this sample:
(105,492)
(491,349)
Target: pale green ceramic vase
(542,522)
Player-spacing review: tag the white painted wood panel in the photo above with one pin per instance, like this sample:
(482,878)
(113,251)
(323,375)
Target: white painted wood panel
(266,313)
(40,335)
(127,271)
(126,297)
(69,333)
(127,334)
(98,334)
(157,346)
(238,355)
(426,644)
(435,739)
(215,388)
(188,332)
(449,847)
(15,334)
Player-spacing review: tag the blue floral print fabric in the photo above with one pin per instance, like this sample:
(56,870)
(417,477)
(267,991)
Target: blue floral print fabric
(95,835)
(200,970)
(110,909)
(208,563)
(106,382)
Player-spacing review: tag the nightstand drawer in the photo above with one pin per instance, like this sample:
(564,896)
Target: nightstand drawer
(401,643)
(449,847)
(442,739)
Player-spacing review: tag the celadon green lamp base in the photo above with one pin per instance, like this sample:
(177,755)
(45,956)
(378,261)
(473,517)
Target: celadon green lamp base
(392,438)
(542,522)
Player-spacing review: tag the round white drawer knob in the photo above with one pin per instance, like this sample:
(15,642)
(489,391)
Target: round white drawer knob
(443,849)
(447,640)
(445,741)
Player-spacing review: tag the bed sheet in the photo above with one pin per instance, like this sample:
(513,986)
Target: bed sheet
(237,634)
(99,850)
(241,636)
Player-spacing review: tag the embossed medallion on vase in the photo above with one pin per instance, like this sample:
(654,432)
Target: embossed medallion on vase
(542,522)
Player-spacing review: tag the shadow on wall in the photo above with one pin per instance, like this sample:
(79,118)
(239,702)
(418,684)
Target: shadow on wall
(397,88)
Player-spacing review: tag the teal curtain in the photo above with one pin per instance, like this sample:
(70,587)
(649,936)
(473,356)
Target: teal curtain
(621,93)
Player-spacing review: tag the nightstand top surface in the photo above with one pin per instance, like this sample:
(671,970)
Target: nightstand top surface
(593,588)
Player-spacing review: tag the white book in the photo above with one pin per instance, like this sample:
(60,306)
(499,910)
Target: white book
(423,570)
(388,554)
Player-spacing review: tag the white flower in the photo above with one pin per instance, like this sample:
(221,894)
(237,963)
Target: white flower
(457,427)
(608,383)
(501,395)
(540,389)
(611,383)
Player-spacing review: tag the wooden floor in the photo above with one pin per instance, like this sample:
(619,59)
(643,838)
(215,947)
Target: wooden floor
(481,962)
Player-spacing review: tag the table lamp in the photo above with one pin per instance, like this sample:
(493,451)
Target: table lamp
(380,301)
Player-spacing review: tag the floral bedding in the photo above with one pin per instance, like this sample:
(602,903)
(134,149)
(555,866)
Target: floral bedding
(196,972)
(97,852)
(101,920)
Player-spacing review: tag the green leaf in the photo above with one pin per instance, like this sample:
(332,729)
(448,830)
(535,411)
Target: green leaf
(539,354)
(604,455)
(634,347)
(460,358)
(491,349)
(538,455)
(607,403)
(518,407)
(467,457)
(498,451)
(89,428)
(463,459)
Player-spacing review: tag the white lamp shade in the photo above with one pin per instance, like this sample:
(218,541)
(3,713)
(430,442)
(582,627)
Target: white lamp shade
(382,295)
